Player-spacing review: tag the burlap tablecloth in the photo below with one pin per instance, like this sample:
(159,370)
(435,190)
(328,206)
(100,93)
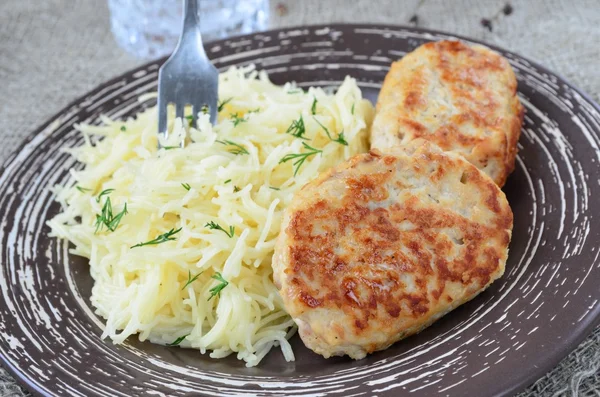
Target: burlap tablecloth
(53,51)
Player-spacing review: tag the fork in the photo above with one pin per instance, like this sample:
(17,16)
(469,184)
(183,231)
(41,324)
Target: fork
(187,77)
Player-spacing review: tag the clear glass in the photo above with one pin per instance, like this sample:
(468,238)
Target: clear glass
(150,28)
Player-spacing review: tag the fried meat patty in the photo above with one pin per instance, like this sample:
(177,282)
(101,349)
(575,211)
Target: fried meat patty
(462,98)
(382,245)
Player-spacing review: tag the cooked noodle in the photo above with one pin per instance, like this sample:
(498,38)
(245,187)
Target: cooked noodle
(241,189)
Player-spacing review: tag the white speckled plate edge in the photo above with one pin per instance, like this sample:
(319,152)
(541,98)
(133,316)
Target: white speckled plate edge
(543,307)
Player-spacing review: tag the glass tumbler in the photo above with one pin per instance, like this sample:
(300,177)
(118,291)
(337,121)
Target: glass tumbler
(150,28)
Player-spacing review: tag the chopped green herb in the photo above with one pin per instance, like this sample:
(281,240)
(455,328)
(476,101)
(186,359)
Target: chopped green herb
(190,119)
(186,186)
(222,104)
(236,189)
(171,147)
(254,110)
(123,128)
(114,222)
(104,193)
(204,109)
(227,181)
(83,189)
(313,108)
(177,341)
(297,129)
(239,149)
(274,188)
(235,119)
(340,139)
(215,226)
(163,238)
(300,157)
(102,219)
(216,290)
(352,110)
(191,279)
(296,91)
(107,218)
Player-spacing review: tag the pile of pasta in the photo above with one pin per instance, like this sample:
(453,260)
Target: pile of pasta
(180,240)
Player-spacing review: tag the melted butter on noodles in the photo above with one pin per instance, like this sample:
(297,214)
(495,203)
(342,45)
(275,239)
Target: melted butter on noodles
(143,290)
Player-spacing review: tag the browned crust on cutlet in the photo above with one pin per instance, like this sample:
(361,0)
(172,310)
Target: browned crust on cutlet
(347,255)
(462,98)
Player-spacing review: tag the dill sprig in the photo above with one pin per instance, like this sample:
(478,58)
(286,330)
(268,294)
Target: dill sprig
(163,238)
(191,279)
(297,129)
(186,186)
(104,193)
(107,218)
(171,147)
(235,119)
(215,226)
(190,119)
(222,104)
(237,149)
(216,290)
(177,341)
(82,189)
(274,188)
(300,158)
(227,181)
(236,189)
(123,128)
(340,139)
(313,108)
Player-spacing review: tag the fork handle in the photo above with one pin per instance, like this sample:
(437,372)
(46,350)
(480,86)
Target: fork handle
(190,13)
(191,25)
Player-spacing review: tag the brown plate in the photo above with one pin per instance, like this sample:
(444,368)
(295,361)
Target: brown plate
(506,338)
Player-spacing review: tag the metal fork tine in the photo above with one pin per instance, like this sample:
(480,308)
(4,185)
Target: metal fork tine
(162,117)
(195,111)
(179,109)
(213,114)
